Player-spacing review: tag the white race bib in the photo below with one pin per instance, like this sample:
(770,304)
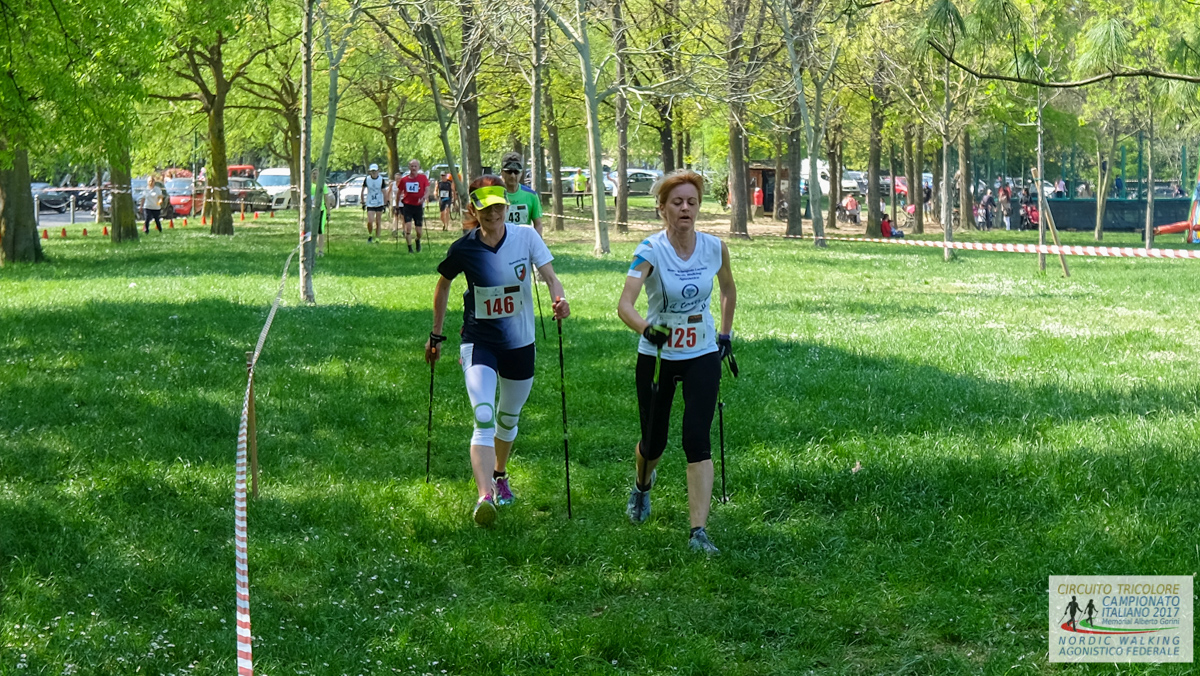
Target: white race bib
(518,214)
(412,187)
(687,331)
(497,302)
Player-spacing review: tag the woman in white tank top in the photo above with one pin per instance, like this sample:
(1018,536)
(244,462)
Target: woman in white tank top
(679,342)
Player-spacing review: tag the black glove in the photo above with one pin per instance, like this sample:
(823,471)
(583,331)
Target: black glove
(725,353)
(435,338)
(657,335)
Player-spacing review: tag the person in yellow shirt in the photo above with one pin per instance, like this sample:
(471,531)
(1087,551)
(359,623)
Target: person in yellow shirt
(581,186)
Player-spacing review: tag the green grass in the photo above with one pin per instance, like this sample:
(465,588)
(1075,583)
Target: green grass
(1010,425)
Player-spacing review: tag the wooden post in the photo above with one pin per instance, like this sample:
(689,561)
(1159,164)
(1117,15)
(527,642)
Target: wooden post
(1054,233)
(251,433)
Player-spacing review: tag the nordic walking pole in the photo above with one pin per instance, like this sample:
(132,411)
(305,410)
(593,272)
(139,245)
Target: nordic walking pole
(562,381)
(539,302)
(434,340)
(429,428)
(721,428)
(733,369)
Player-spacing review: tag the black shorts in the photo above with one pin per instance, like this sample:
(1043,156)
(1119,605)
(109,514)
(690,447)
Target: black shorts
(514,364)
(445,204)
(375,210)
(414,213)
(701,379)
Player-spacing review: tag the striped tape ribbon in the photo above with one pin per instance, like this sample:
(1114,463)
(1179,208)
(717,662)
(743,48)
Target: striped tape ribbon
(245,652)
(1052,249)
(1101,251)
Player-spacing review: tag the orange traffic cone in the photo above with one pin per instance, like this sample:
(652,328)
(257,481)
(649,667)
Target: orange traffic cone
(185,221)
(64,234)
(243,215)
(272,213)
(85,232)
(105,233)
(171,224)
(203,219)
(256,215)
(45,234)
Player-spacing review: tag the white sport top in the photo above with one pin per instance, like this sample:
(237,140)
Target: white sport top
(375,190)
(679,294)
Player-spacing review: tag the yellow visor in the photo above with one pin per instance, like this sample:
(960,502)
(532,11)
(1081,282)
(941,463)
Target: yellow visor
(488,195)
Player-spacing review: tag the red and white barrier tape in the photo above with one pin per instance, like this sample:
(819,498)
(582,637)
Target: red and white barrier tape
(245,653)
(1053,249)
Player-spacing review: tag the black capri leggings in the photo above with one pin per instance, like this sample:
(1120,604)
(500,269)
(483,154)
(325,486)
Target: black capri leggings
(701,376)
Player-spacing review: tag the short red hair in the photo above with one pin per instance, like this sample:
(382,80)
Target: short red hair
(469,218)
(663,186)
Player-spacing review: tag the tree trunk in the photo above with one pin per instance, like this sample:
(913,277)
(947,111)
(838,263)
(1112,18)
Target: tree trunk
(468,110)
(552,146)
(778,177)
(537,160)
(124,211)
(391,137)
(966,202)
(1104,170)
(739,202)
(919,172)
(666,134)
(293,131)
(621,194)
(679,136)
(1149,187)
(935,190)
(892,195)
(218,169)
(796,147)
(907,148)
(874,156)
(835,173)
(308,210)
(19,241)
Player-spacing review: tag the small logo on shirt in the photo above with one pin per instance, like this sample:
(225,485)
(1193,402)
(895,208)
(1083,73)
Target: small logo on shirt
(519,268)
(691,291)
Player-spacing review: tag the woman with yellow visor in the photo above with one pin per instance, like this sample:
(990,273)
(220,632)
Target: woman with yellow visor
(498,331)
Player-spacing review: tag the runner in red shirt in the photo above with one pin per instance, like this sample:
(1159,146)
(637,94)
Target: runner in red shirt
(414,188)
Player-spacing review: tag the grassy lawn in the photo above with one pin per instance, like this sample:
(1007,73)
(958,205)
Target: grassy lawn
(913,448)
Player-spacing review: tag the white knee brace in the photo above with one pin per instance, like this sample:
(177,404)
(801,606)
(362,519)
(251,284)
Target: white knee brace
(485,426)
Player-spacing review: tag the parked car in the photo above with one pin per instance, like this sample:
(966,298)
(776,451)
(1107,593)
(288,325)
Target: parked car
(350,193)
(248,194)
(185,196)
(854,182)
(278,184)
(639,180)
(243,171)
(49,197)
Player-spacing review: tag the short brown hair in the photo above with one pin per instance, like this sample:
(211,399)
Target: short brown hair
(664,185)
(479,182)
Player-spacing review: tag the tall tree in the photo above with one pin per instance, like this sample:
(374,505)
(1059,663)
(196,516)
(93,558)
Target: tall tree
(213,47)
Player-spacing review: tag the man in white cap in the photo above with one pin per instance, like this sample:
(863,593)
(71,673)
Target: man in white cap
(371,197)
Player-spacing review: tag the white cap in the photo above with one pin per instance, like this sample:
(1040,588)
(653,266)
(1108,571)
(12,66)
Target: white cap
(374,167)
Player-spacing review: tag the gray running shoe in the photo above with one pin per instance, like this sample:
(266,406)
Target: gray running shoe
(701,543)
(485,511)
(638,508)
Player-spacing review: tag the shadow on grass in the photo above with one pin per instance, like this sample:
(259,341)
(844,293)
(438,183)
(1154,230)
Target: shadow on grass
(114,441)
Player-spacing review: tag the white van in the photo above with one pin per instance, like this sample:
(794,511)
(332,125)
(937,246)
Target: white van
(278,183)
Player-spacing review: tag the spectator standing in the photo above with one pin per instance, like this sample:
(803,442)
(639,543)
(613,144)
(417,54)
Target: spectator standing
(152,204)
